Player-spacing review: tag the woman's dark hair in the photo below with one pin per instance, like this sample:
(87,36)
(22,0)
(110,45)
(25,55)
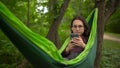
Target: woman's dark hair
(86,27)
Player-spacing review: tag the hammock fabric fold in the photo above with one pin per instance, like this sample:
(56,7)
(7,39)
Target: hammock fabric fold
(41,52)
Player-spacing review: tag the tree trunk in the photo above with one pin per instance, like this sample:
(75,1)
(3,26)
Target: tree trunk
(104,13)
(100,31)
(53,33)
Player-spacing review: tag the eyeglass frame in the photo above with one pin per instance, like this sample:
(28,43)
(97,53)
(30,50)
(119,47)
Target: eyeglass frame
(79,26)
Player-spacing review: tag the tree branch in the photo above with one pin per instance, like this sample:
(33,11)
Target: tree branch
(111,7)
(53,33)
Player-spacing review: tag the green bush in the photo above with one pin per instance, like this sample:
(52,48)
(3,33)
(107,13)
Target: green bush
(10,57)
(113,24)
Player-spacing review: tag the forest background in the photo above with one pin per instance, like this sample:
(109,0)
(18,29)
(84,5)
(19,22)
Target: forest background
(41,15)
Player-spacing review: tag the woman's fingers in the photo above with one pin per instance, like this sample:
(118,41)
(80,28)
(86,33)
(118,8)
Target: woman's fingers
(77,41)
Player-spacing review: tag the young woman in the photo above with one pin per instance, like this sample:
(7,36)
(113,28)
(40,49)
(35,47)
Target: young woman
(77,44)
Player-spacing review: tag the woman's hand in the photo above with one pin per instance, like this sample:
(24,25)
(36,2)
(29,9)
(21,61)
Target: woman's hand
(70,46)
(78,42)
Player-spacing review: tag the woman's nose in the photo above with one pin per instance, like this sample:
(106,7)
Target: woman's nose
(77,28)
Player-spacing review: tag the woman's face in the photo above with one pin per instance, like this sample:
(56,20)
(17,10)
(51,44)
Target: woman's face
(78,27)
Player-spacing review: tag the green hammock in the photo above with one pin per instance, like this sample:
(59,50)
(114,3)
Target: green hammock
(40,51)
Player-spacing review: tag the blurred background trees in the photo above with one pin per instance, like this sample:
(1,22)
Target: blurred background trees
(51,19)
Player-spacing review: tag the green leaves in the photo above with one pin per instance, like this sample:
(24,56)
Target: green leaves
(113,23)
(9,55)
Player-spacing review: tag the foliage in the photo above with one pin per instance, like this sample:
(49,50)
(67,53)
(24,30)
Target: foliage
(110,54)
(87,9)
(16,7)
(10,57)
(113,23)
(40,29)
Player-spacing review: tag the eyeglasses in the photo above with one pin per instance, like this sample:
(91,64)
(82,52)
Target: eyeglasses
(79,26)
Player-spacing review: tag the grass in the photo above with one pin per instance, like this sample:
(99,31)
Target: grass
(110,53)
